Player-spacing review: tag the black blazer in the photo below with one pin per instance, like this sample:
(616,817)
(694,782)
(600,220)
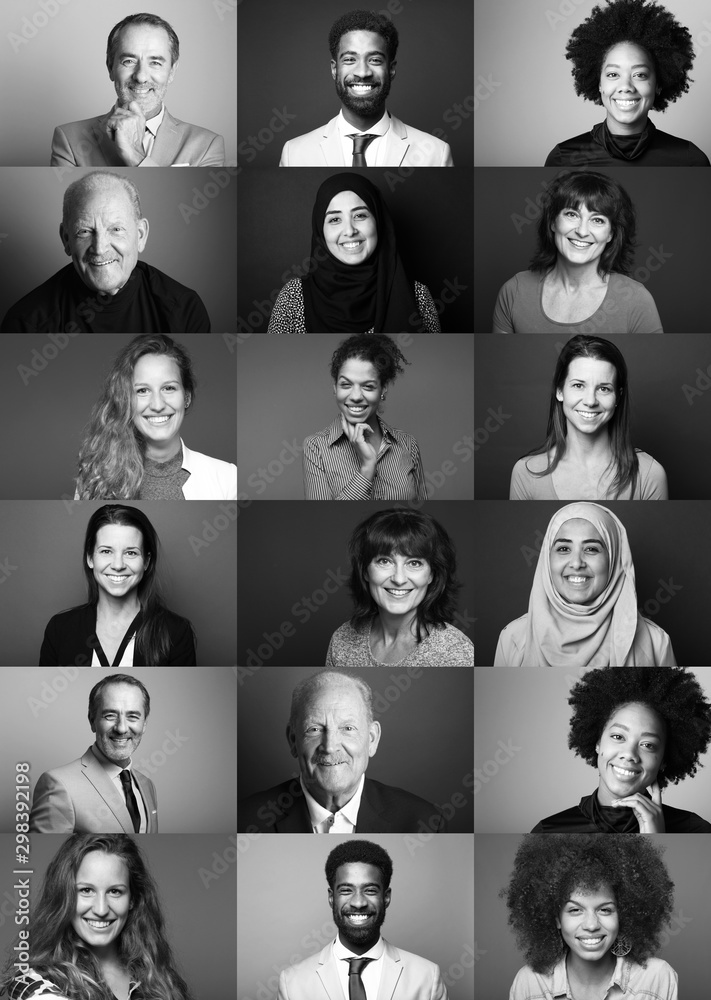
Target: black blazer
(383,809)
(70,640)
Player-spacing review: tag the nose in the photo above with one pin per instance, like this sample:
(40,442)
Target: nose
(100,242)
(117,561)
(101,906)
(399,577)
(121,726)
(156,401)
(362,70)
(577,558)
(329,741)
(589,397)
(140,73)
(591,922)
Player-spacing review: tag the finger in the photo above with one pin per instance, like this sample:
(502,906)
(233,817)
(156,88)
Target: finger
(135,107)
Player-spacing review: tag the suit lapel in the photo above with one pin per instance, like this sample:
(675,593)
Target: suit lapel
(331,146)
(148,801)
(167,141)
(328,974)
(396,144)
(369,820)
(392,970)
(94,773)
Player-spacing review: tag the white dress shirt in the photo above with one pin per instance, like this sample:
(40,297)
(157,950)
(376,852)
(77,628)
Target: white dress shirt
(370,974)
(343,821)
(374,152)
(113,771)
(152,126)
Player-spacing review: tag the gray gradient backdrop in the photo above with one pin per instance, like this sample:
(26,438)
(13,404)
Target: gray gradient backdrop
(431,209)
(669,543)
(286,393)
(284,46)
(528,711)
(44,540)
(197,883)
(288,551)
(196,248)
(684,947)
(514,374)
(525,100)
(190,739)
(58,74)
(284,917)
(426,742)
(54,385)
(670,258)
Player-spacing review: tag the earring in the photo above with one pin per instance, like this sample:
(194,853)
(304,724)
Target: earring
(383,396)
(621,947)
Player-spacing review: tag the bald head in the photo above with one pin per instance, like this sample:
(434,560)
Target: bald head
(308,688)
(98,180)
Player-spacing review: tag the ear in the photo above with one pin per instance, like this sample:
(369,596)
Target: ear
(333,69)
(557,923)
(172,71)
(597,748)
(188,400)
(64,236)
(559,395)
(142,226)
(387,895)
(374,733)
(291,740)
(393,69)
(89,562)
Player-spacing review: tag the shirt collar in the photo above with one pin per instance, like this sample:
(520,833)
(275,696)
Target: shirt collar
(620,977)
(318,814)
(343,954)
(153,124)
(335,431)
(345,127)
(109,766)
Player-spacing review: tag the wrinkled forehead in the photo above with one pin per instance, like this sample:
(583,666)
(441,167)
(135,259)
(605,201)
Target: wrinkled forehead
(105,201)
(334,698)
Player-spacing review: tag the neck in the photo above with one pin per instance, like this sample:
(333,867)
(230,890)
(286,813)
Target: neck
(592,973)
(587,449)
(118,607)
(395,627)
(333,801)
(163,451)
(618,128)
(358,949)
(574,277)
(108,956)
(362,122)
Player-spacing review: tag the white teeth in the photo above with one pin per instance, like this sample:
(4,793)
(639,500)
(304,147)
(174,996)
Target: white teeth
(626,104)
(579,243)
(397,593)
(587,416)
(624,771)
(357,409)
(102,263)
(98,923)
(359,918)
(158,420)
(577,579)
(116,579)
(361,88)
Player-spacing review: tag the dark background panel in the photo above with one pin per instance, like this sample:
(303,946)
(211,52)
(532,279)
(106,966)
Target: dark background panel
(284,46)
(48,388)
(670,545)
(42,545)
(425,747)
(286,393)
(432,212)
(671,415)
(507,209)
(293,571)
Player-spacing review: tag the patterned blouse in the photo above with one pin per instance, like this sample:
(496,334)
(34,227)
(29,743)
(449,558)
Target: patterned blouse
(443,647)
(33,986)
(288,310)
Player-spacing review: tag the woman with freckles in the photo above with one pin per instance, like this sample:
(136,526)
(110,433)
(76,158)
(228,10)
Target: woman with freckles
(588,453)
(403,586)
(132,448)
(578,279)
(358,456)
(631,57)
(641,730)
(356,282)
(582,611)
(125,623)
(588,913)
(97,932)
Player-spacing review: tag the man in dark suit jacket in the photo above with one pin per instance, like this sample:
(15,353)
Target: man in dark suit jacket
(142,57)
(333,735)
(100,792)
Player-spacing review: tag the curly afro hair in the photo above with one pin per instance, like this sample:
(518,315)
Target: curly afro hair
(673,693)
(364,20)
(363,852)
(548,870)
(643,23)
(382,352)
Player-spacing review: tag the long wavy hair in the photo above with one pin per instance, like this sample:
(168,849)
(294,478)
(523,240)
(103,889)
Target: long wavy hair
(624,457)
(58,953)
(112,452)
(152,637)
(414,534)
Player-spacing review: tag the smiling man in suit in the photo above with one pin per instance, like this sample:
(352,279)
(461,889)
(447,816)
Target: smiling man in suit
(142,57)
(363,47)
(101,792)
(359,963)
(333,735)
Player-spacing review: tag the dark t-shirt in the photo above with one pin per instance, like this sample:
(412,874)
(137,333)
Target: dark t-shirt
(590,817)
(599,148)
(149,302)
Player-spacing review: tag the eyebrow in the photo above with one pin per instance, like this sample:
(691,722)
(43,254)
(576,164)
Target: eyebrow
(636,65)
(606,903)
(627,729)
(576,378)
(364,885)
(132,55)
(373,52)
(90,885)
(339,211)
(586,541)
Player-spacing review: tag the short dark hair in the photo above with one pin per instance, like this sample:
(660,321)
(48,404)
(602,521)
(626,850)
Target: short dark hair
(673,693)
(96,692)
(648,25)
(547,869)
(364,20)
(599,193)
(377,348)
(410,533)
(363,852)
(151,19)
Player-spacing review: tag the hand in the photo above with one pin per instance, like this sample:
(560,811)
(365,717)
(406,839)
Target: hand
(126,127)
(648,811)
(356,434)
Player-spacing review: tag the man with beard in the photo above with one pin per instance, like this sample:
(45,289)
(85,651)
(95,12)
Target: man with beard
(141,56)
(333,735)
(363,47)
(101,792)
(359,963)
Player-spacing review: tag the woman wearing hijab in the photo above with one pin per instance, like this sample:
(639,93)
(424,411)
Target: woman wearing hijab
(631,57)
(582,611)
(358,456)
(588,451)
(357,282)
(578,279)
(641,730)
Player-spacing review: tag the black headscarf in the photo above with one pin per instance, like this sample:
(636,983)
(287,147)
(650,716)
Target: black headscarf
(354,298)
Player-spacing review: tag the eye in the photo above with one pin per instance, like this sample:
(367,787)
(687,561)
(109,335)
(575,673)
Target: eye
(570,211)
(416,563)
(382,559)
(562,548)
(605,388)
(335,218)
(576,385)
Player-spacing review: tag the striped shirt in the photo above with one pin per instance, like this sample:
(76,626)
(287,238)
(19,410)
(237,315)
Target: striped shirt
(332,467)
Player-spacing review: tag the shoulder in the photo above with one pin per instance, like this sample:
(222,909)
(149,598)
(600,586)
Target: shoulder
(515,629)
(651,472)
(415,135)
(656,973)
(82,127)
(301,972)
(528,985)
(196,460)
(312,137)
(377,792)
(451,643)
(623,287)
(427,308)
(688,153)
(196,131)
(40,303)
(251,803)
(529,464)
(162,284)
(651,642)
(74,618)
(683,821)
(349,635)
(411,960)
(292,290)
(176,624)
(522,283)
(656,632)
(33,986)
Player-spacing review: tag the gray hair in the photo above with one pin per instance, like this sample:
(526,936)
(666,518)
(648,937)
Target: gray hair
(77,189)
(153,21)
(310,685)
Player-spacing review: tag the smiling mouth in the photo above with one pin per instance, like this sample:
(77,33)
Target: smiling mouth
(362,89)
(352,246)
(115,578)
(579,244)
(578,581)
(588,414)
(627,104)
(159,420)
(98,925)
(102,263)
(358,918)
(624,772)
(592,942)
(397,593)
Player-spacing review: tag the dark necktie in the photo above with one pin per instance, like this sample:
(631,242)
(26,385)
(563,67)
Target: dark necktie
(360,144)
(356,990)
(131,803)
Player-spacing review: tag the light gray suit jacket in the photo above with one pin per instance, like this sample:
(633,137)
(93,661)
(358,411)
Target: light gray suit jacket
(405,146)
(404,977)
(80,797)
(86,144)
